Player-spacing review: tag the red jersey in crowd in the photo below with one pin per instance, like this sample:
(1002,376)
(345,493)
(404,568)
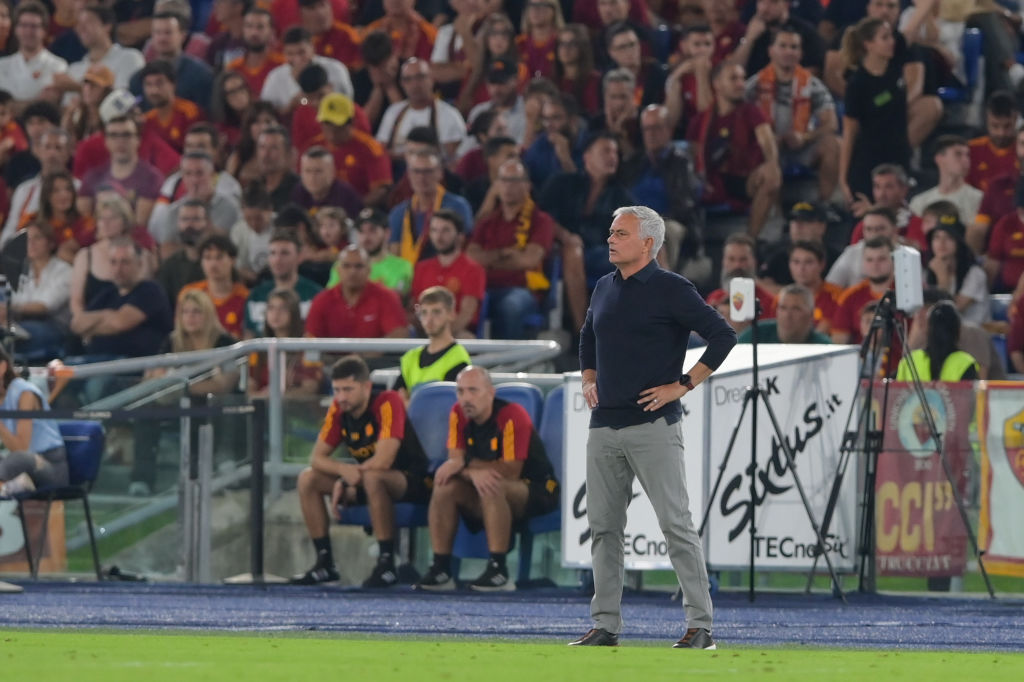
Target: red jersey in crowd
(286,13)
(494,232)
(412,38)
(989,162)
(171,127)
(1006,244)
(464,277)
(254,76)
(340,42)
(12,131)
(847,316)
(230,309)
(539,58)
(826,302)
(727,147)
(999,200)
(376,313)
(92,153)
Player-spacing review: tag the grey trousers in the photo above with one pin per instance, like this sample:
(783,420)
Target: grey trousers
(654,454)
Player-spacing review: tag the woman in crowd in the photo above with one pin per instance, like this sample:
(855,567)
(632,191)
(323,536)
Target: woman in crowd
(574,71)
(334,229)
(36,457)
(875,122)
(284,320)
(242,161)
(58,208)
(538,36)
(91,273)
(82,119)
(229,104)
(40,304)
(196,327)
(496,40)
(940,360)
(952,268)
(471,162)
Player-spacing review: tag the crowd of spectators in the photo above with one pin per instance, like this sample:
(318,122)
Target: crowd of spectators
(312,166)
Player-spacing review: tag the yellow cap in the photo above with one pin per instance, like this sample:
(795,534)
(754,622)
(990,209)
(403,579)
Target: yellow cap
(336,109)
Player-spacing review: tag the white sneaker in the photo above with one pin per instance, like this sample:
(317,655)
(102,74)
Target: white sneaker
(22,483)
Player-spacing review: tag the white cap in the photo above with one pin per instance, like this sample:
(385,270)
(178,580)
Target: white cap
(117,104)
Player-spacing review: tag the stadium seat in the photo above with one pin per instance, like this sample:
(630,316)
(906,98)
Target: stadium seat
(483,330)
(525,394)
(1000,307)
(551,434)
(428,413)
(972,50)
(999,342)
(83,442)
(544,318)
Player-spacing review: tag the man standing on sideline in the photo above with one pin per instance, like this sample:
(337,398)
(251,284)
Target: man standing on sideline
(635,425)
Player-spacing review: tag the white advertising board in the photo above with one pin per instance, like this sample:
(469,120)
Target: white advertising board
(810,388)
(811,400)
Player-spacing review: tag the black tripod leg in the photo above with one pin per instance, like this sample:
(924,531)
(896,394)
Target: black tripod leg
(721,468)
(791,461)
(869,350)
(846,452)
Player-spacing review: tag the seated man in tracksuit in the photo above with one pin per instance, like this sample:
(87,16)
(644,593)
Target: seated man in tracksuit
(390,466)
(497,473)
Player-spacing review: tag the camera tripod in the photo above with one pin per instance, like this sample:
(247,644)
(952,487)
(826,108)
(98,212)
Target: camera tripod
(754,393)
(868,436)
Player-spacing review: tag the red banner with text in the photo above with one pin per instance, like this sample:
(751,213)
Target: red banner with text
(918,528)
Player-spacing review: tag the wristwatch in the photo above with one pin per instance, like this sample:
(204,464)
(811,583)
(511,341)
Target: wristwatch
(684,380)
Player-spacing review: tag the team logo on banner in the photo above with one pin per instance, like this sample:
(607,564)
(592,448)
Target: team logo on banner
(1013,441)
(912,423)
(919,531)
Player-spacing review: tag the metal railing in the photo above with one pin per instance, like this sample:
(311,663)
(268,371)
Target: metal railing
(191,366)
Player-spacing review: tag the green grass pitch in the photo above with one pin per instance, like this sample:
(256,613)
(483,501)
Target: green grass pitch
(81,655)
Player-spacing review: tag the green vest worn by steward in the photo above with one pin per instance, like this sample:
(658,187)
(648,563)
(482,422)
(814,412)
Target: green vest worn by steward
(413,374)
(953,368)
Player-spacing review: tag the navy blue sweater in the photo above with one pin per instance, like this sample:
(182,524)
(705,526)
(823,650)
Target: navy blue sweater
(635,338)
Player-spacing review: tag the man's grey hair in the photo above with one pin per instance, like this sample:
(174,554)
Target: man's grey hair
(618,76)
(891,169)
(798,290)
(651,224)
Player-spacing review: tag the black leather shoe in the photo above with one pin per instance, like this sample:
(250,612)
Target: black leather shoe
(696,638)
(597,637)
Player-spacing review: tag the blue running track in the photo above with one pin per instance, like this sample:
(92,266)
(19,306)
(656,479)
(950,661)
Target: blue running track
(876,621)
